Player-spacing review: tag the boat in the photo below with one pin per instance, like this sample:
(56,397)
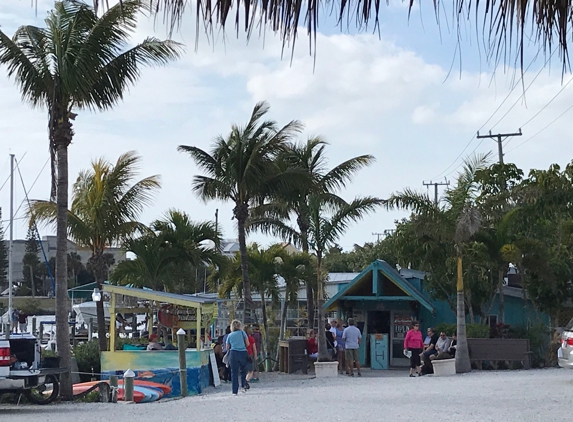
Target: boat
(87,310)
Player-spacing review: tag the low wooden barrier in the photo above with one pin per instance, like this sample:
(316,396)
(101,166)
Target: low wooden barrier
(499,349)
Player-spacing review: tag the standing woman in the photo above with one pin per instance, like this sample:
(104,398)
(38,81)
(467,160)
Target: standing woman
(251,355)
(237,343)
(414,344)
(340,346)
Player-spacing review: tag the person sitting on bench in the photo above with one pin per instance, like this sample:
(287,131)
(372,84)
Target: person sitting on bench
(430,350)
(442,347)
(312,345)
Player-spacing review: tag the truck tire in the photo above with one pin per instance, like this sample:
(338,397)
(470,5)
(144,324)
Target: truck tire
(41,394)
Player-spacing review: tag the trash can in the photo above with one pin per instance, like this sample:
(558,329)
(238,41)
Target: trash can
(293,356)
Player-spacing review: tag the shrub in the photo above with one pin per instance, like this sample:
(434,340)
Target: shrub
(88,358)
(538,336)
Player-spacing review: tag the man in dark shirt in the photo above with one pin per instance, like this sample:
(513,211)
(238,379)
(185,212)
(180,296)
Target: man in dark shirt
(430,350)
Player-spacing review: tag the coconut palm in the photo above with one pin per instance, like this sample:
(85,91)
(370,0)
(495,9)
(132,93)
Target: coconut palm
(310,159)
(505,23)
(327,223)
(242,168)
(449,226)
(78,61)
(106,204)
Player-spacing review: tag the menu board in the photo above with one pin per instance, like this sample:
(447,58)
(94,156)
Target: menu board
(402,324)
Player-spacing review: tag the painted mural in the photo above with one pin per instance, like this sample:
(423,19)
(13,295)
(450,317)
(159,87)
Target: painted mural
(161,366)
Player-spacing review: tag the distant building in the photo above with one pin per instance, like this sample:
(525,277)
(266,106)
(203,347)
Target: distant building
(49,245)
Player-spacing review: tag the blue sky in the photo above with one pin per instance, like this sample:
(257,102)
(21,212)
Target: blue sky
(396,96)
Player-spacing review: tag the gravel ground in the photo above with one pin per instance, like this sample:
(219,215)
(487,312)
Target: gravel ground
(534,395)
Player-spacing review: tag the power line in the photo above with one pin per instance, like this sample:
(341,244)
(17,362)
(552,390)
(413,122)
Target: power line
(497,109)
(533,136)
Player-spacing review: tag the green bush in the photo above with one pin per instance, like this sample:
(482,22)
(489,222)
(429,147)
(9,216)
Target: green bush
(88,358)
(538,336)
(472,330)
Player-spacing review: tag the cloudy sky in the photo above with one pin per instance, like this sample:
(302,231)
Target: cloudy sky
(412,97)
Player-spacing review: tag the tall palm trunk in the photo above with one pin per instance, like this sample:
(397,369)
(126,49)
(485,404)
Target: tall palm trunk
(463,364)
(323,355)
(99,267)
(62,305)
(241,213)
(265,343)
(282,330)
(303,227)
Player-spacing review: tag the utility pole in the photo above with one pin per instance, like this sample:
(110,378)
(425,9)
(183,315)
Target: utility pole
(378,235)
(436,184)
(499,141)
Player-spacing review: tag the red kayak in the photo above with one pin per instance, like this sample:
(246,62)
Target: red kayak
(80,388)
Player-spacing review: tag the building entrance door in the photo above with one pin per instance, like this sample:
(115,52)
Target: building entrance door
(401,323)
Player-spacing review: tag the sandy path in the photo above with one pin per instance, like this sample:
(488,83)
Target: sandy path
(535,395)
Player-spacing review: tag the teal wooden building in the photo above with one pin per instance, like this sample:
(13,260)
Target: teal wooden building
(384,302)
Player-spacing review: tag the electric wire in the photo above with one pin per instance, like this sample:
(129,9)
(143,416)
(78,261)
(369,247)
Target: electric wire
(533,136)
(32,186)
(496,110)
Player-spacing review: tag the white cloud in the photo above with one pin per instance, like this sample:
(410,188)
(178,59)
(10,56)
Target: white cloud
(365,95)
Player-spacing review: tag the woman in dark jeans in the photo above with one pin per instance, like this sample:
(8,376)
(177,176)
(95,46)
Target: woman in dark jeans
(237,343)
(413,344)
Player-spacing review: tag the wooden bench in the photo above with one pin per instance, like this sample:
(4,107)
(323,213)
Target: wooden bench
(499,349)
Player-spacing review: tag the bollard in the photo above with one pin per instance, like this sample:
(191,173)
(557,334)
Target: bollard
(182,362)
(128,377)
(113,385)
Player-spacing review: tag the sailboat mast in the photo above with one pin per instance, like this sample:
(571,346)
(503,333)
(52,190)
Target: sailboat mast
(10,307)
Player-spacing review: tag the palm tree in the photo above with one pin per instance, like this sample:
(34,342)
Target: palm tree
(310,159)
(106,203)
(242,168)
(78,61)
(168,253)
(450,225)
(327,223)
(505,20)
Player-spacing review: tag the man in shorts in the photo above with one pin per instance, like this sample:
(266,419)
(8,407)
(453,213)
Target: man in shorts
(352,338)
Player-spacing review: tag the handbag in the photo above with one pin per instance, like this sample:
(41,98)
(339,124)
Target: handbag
(226,358)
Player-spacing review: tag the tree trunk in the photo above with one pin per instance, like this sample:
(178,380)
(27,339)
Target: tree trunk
(468,300)
(303,227)
(241,213)
(500,317)
(323,355)
(99,265)
(265,343)
(463,363)
(32,281)
(62,305)
(282,330)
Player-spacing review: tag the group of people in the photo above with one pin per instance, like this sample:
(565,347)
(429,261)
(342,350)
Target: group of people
(237,354)
(19,321)
(342,342)
(423,352)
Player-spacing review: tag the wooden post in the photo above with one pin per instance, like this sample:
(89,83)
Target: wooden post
(128,377)
(112,323)
(198,337)
(182,362)
(150,321)
(90,329)
(113,384)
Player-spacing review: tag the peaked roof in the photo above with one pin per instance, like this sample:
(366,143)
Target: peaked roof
(392,275)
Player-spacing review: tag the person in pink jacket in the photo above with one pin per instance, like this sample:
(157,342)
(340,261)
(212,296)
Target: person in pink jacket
(413,345)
